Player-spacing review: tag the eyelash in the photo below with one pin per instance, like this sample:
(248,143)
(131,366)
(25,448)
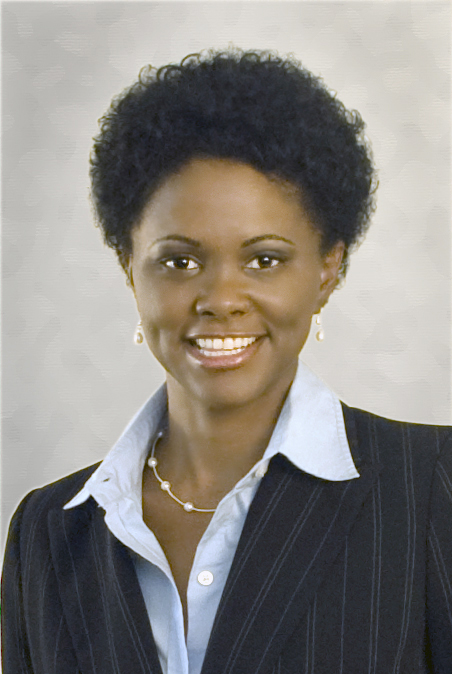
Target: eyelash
(170,263)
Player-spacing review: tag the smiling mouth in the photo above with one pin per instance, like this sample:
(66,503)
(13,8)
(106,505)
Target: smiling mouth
(216,347)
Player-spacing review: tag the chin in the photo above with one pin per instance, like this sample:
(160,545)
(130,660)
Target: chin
(233,389)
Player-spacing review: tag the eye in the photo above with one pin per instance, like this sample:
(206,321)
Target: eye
(264,261)
(182,263)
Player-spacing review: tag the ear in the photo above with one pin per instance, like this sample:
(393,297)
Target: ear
(330,272)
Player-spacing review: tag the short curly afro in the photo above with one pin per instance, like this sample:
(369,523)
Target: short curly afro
(254,107)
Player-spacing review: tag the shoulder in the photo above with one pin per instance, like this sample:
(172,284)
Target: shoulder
(28,533)
(364,424)
(363,418)
(384,439)
(54,495)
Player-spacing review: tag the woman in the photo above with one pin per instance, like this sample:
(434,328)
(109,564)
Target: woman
(246,521)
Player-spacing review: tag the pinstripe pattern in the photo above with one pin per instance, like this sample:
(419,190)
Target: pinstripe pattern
(376,562)
(312,641)
(309,631)
(270,580)
(242,559)
(113,582)
(123,635)
(314,604)
(76,595)
(57,644)
(411,547)
(344,598)
(442,572)
(445,479)
(441,558)
(328,578)
(103,594)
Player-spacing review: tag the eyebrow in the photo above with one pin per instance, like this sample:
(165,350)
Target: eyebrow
(264,237)
(178,237)
(248,242)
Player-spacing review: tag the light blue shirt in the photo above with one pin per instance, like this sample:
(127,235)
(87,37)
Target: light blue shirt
(310,432)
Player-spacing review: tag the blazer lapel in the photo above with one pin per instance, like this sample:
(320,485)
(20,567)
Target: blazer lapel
(296,525)
(100,593)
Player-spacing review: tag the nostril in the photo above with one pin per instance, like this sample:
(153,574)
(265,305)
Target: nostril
(223,304)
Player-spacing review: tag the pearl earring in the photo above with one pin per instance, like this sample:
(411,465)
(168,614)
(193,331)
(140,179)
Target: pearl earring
(319,335)
(138,337)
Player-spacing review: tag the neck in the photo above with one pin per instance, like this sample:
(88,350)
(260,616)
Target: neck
(215,446)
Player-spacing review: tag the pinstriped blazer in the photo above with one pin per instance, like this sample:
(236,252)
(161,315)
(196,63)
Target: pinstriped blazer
(328,578)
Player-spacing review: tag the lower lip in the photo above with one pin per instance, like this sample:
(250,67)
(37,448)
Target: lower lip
(224,361)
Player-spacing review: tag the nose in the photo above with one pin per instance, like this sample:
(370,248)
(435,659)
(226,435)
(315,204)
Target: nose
(222,295)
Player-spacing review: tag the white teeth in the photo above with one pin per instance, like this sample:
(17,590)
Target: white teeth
(226,346)
(215,354)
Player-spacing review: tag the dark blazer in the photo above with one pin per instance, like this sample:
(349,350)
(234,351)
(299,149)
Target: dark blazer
(347,577)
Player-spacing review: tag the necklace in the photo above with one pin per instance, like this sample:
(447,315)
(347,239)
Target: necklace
(166,486)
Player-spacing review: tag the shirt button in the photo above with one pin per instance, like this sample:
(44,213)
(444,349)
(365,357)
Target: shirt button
(262,469)
(205,578)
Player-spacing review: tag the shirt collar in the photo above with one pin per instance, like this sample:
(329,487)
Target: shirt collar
(310,432)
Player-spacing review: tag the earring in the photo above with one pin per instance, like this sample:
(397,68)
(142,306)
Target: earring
(138,337)
(319,335)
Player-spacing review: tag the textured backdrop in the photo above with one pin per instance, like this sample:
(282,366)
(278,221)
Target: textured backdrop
(72,376)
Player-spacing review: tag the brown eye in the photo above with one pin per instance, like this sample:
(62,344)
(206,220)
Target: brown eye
(181,263)
(264,261)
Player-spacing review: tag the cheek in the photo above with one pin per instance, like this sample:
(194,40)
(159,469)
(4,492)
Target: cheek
(155,301)
(164,312)
(293,305)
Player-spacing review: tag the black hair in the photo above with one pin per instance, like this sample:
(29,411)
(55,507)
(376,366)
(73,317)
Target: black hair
(255,107)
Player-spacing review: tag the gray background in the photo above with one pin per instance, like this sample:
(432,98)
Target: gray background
(72,377)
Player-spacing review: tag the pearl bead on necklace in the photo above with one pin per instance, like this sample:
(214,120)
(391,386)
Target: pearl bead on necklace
(166,486)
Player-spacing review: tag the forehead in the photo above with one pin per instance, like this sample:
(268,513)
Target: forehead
(219,197)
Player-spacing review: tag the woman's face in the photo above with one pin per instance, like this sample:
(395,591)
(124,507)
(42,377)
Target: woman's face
(227,274)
